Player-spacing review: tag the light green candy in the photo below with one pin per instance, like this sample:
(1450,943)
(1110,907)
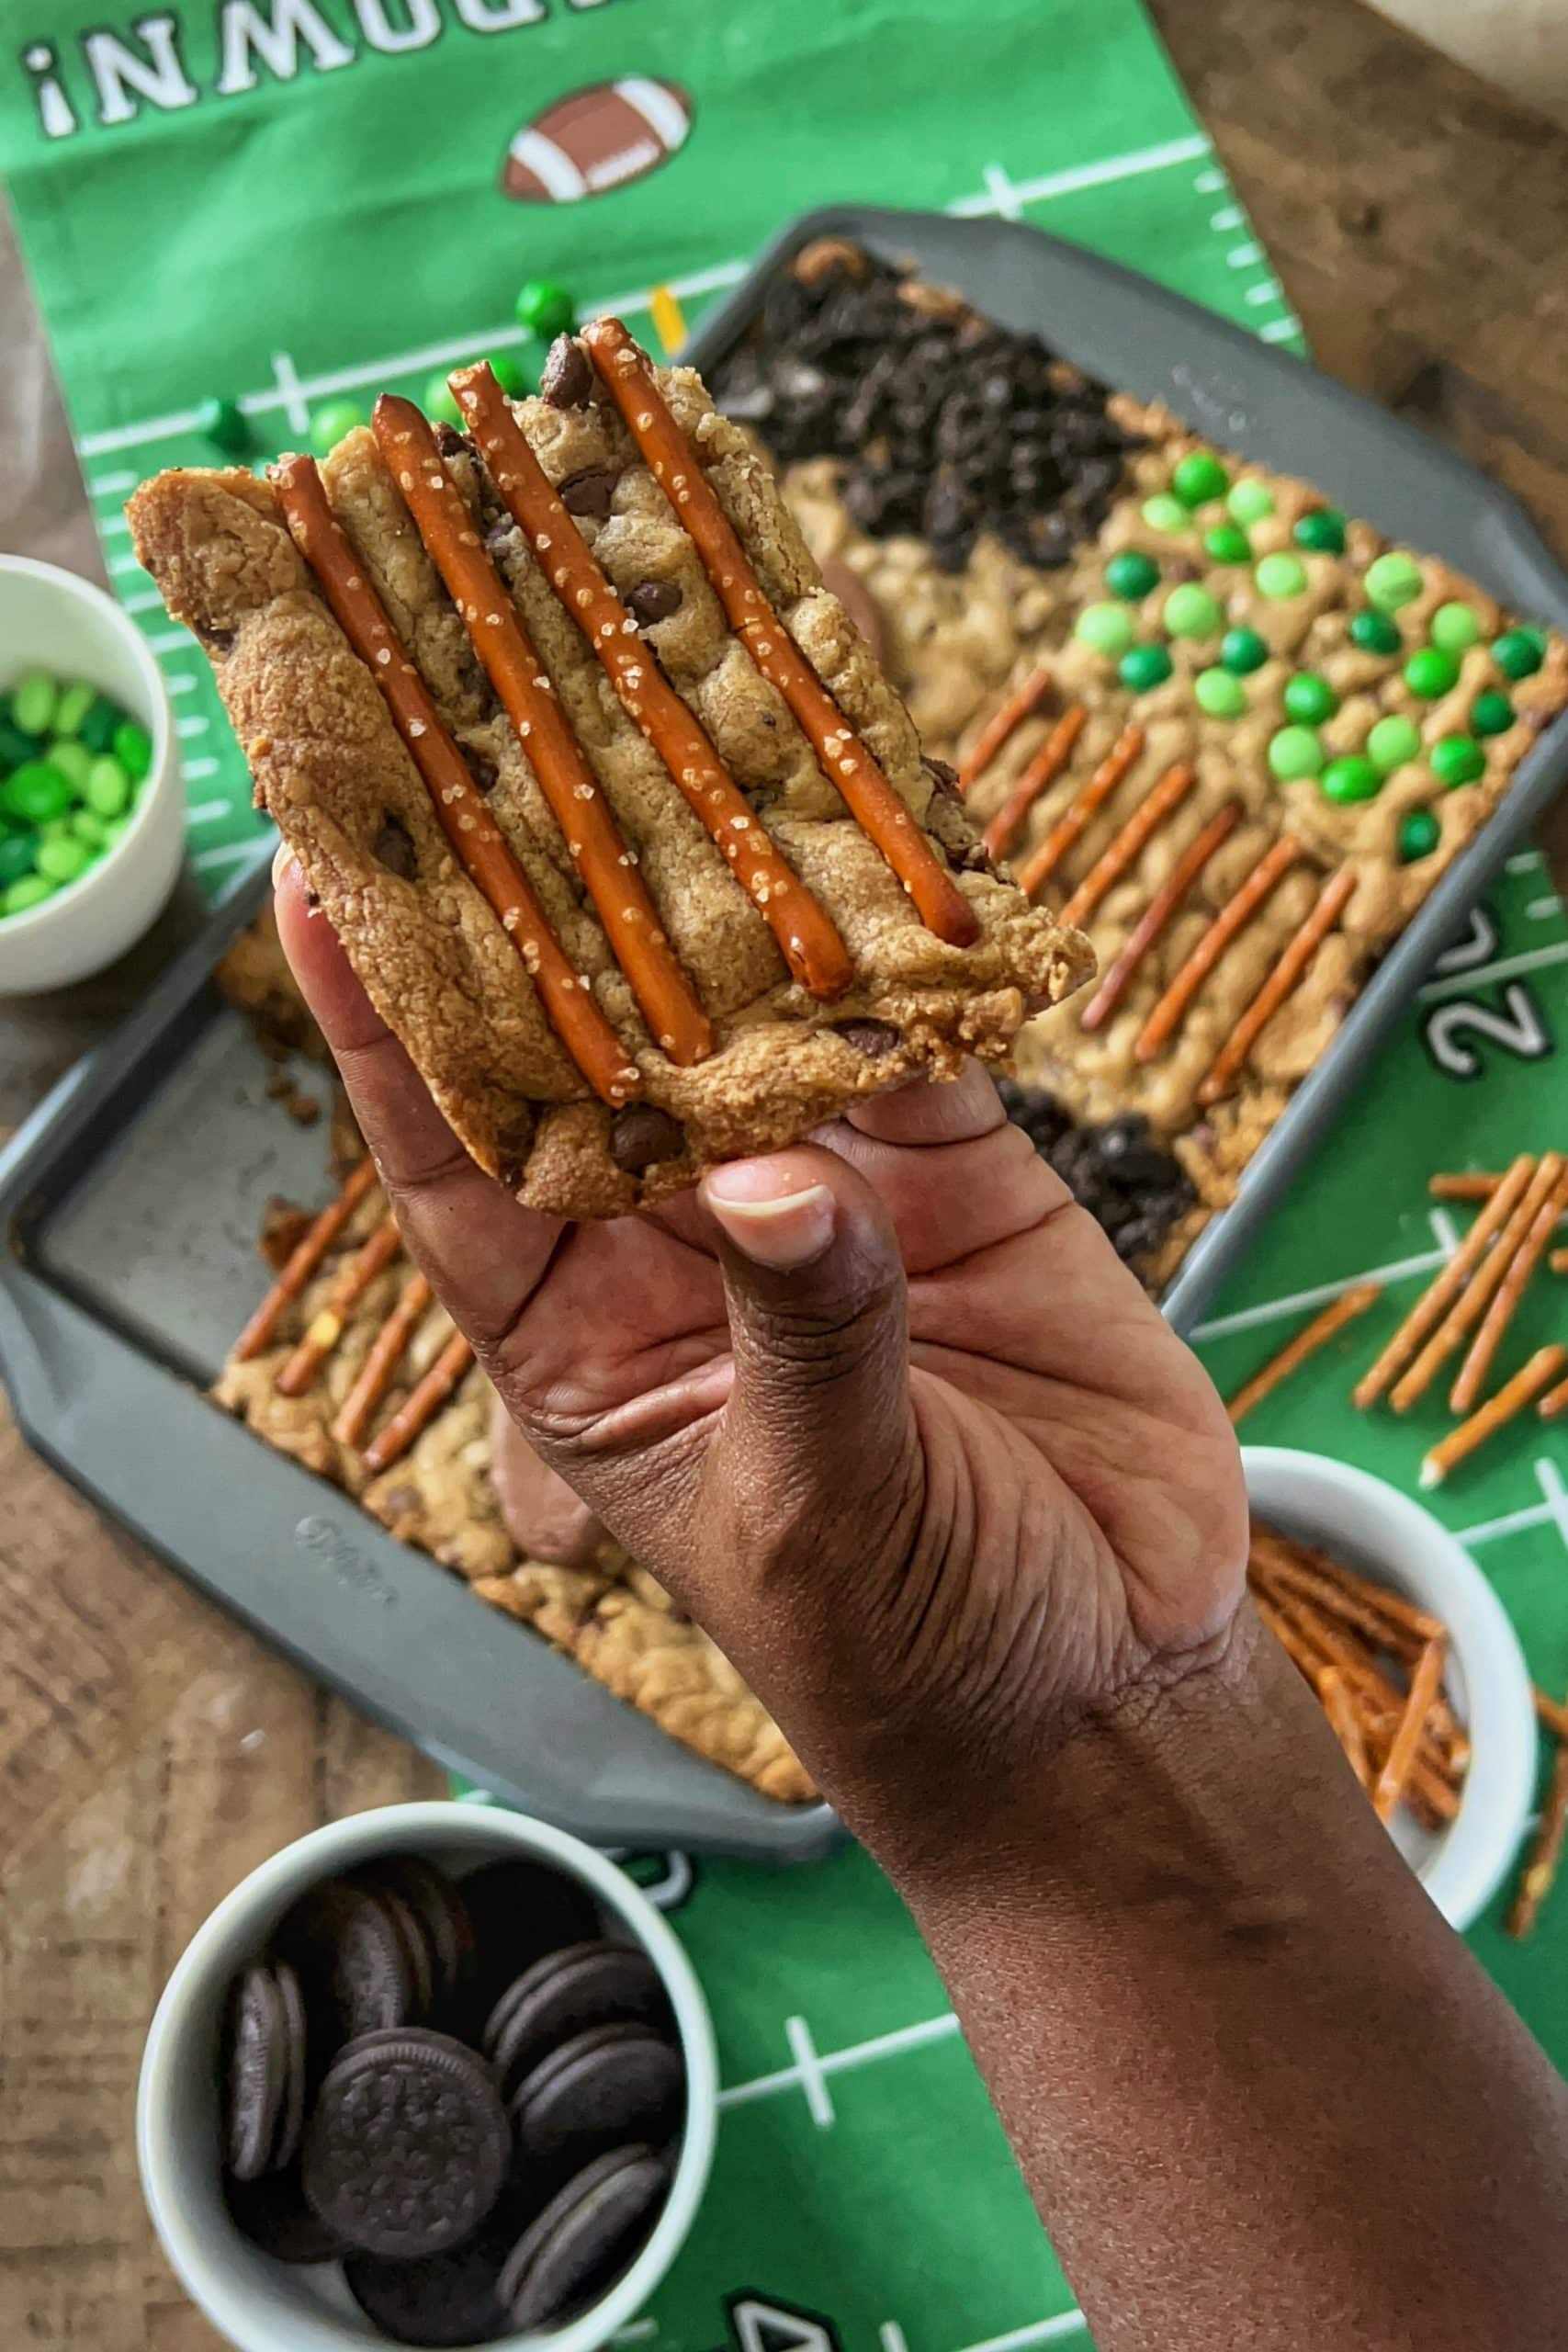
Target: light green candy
(1191,611)
(1250,501)
(1107,629)
(34,703)
(73,759)
(74,704)
(1165,513)
(107,788)
(1280,576)
(63,861)
(1221,694)
(1456,628)
(1393,581)
(1296,753)
(1393,743)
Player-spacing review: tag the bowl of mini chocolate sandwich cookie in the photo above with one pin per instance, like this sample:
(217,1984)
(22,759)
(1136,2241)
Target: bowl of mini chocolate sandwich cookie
(437,2075)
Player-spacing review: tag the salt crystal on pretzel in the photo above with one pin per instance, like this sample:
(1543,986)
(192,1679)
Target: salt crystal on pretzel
(1545,1366)
(306,1257)
(1037,778)
(871,799)
(421,1405)
(1473,1374)
(1479,1290)
(325,1327)
(1021,704)
(1307,1341)
(620,896)
(1165,903)
(1231,920)
(478,845)
(1283,979)
(379,1369)
(1129,844)
(1044,861)
(1447,1285)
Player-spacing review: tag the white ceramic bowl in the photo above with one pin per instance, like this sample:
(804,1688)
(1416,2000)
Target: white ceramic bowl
(51,620)
(266,2306)
(1381,1533)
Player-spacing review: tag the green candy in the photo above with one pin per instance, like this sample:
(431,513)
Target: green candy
(73,759)
(54,829)
(75,702)
(440,401)
(18,854)
(1491,714)
(1243,650)
(1375,633)
(1165,513)
(221,420)
(36,793)
(63,861)
(1518,654)
(15,749)
(23,896)
(1456,628)
(546,309)
(108,790)
(1132,575)
(98,729)
(1431,674)
(1220,693)
(1145,667)
(1296,753)
(1351,779)
(1419,833)
(85,827)
(34,704)
(1393,743)
(116,831)
(1105,628)
(1191,611)
(1227,543)
(1322,531)
(508,373)
(1199,477)
(333,423)
(1279,576)
(1250,501)
(1310,698)
(1393,581)
(1458,758)
(132,748)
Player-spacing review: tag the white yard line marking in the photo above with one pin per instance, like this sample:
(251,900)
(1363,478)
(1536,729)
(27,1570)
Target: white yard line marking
(637,2331)
(1281,330)
(1513,1523)
(1245,256)
(818,2099)
(1044,2331)
(892,2337)
(1554,1493)
(1524,860)
(112,485)
(185,684)
(120,564)
(1543,909)
(146,600)
(1229,216)
(838,2062)
(1209,183)
(1249,1319)
(113,526)
(1082,175)
(190,727)
(196,770)
(1003,193)
(1269,290)
(171,640)
(207,812)
(1445,1233)
(1532,959)
(290,398)
(230,854)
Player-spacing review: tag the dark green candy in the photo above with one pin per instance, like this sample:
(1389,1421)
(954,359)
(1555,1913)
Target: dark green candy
(1458,758)
(222,422)
(1351,779)
(97,730)
(1518,654)
(18,854)
(1322,531)
(1431,674)
(1309,699)
(1227,543)
(36,793)
(1145,667)
(1491,714)
(1200,478)
(546,309)
(16,749)
(132,747)
(1243,650)
(1376,633)
(1419,833)
(1131,575)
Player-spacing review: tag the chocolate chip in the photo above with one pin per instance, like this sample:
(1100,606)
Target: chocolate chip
(483,769)
(451,443)
(216,640)
(641,1136)
(944,778)
(872,1038)
(568,380)
(394,849)
(653,600)
(590,493)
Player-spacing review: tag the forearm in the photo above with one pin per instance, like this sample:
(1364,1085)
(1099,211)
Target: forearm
(1260,2092)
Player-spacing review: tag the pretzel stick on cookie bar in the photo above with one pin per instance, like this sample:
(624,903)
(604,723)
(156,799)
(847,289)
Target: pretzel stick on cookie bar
(1044,861)
(477,845)
(379,1369)
(620,896)
(1037,778)
(303,1263)
(807,938)
(1480,1287)
(1282,981)
(325,1327)
(1165,903)
(871,799)
(421,1405)
(1124,851)
(1466,1388)
(1227,925)
(1546,1365)
(1307,1341)
(1021,704)
(1439,1295)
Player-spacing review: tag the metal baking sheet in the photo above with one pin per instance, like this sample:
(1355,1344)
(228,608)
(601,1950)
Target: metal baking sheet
(1265,404)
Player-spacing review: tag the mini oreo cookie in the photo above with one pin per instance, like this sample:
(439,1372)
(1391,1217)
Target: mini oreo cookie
(435,1902)
(584,2238)
(562,1995)
(258,2069)
(408,2149)
(518,1911)
(349,1950)
(443,2299)
(296,2051)
(613,2083)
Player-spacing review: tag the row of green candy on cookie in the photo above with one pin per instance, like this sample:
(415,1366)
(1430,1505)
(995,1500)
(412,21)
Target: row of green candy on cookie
(72,764)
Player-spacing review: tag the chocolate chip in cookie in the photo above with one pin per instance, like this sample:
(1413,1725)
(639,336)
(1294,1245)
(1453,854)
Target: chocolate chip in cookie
(872,1038)
(590,493)
(641,1136)
(394,849)
(568,380)
(653,600)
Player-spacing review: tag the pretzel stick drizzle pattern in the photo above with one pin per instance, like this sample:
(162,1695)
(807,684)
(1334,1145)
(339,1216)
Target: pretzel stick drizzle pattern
(378,1371)
(326,1325)
(1445,1287)
(1546,1854)
(421,1405)
(1472,1300)
(1021,704)
(1159,913)
(1037,778)
(1231,920)
(306,1257)
(1313,1335)
(1425,1684)
(620,897)
(1130,843)
(1471,1379)
(1285,977)
(871,799)
(480,848)
(807,938)
(1044,861)
(1545,1366)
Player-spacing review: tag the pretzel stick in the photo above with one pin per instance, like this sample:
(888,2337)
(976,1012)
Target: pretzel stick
(1449,1283)
(1021,704)
(306,1257)
(631,920)
(1044,860)
(479,847)
(378,1372)
(1552,1713)
(1283,979)
(1382,1703)
(1385,1617)
(1558,1261)
(1160,909)
(1472,1300)
(1307,1341)
(1340,1708)
(1542,1369)
(1554,1404)
(1231,920)
(1473,1375)
(1466,1186)
(872,800)
(1425,1684)
(421,1405)
(1546,1853)
(1037,778)
(325,1327)
(1129,844)
(807,938)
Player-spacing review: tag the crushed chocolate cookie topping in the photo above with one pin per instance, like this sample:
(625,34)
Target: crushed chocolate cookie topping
(589,492)
(872,1038)
(394,849)
(568,380)
(1127,1182)
(641,1136)
(653,600)
(947,424)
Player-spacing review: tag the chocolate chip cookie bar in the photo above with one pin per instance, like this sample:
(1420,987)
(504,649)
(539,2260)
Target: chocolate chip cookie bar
(625,832)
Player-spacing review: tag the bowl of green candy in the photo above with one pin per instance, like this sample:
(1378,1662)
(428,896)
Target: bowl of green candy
(92,815)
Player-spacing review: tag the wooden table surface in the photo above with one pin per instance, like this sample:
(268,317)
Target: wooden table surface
(151,1752)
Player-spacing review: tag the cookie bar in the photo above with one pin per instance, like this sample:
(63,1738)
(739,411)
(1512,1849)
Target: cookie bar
(629,839)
